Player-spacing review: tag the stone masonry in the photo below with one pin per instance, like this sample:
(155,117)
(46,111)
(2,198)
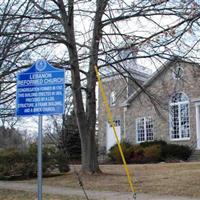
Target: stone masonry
(154,102)
(123,86)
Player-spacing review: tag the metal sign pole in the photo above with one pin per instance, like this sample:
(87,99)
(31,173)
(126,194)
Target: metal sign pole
(40,148)
(39,184)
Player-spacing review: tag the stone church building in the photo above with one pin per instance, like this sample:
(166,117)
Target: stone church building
(164,105)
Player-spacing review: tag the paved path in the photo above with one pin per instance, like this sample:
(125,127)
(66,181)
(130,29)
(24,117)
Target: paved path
(95,195)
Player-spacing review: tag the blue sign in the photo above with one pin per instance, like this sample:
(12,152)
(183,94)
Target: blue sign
(40,90)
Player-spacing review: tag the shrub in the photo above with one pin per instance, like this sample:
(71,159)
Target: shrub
(170,151)
(152,153)
(173,151)
(11,163)
(155,142)
(18,164)
(62,161)
(149,152)
(115,155)
(137,154)
(49,162)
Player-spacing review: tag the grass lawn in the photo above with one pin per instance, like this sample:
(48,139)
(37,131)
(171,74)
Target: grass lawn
(168,178)
(21,195)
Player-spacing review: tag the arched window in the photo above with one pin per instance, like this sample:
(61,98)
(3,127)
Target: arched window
(179,116)
(112,98)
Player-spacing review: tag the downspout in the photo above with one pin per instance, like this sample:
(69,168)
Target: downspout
(124,135)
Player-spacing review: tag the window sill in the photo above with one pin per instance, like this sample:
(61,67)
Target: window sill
(138,142)
(180,139)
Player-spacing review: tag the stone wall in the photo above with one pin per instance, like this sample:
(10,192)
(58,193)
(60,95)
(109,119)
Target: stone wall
(123,87)
(119,85)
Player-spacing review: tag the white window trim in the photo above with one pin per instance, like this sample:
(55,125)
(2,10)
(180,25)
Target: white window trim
(136,135)
(112,100)
(197,108)
(170,129)
(145,133)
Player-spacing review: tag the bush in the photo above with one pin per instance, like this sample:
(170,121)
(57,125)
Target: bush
(173,151)
(149,152)
(170,151)
(135,154)
(152,153)
(155,142)
(115,155)
(49,162)
(12,163)
(62,161)
(18,164)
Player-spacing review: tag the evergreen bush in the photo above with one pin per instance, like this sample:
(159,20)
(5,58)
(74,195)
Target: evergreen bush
(155,142)
(62,161)
(23,164)
(114,153)
(174,151)
(149,152)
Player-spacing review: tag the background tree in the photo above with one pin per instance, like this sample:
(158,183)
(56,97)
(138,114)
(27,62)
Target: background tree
(65,136)
(77,35)
(12,138)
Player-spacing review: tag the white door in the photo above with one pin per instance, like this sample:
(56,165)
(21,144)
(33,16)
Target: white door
(110,138)
(198,124)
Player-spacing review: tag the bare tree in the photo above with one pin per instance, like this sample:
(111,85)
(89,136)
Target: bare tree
(12,138)
(80,34)
(59,130)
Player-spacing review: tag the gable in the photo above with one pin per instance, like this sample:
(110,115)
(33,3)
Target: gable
(163,79)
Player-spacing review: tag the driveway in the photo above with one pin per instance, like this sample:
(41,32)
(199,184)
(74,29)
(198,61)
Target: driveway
(93,195)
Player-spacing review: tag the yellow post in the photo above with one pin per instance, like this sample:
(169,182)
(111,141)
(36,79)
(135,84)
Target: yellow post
(110,119)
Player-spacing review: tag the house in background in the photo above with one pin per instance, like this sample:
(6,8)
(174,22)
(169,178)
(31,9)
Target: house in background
(166,107)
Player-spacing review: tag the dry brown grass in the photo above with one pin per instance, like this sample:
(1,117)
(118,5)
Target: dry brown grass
(175,179)
(21,195)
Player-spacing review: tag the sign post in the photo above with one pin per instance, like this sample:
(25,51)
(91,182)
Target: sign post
(40,91)
(39,150)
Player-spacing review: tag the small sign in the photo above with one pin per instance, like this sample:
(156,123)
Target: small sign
(40,90)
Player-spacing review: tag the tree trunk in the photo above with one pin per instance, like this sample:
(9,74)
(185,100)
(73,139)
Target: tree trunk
(86,119)
(89,146)
(89,154)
